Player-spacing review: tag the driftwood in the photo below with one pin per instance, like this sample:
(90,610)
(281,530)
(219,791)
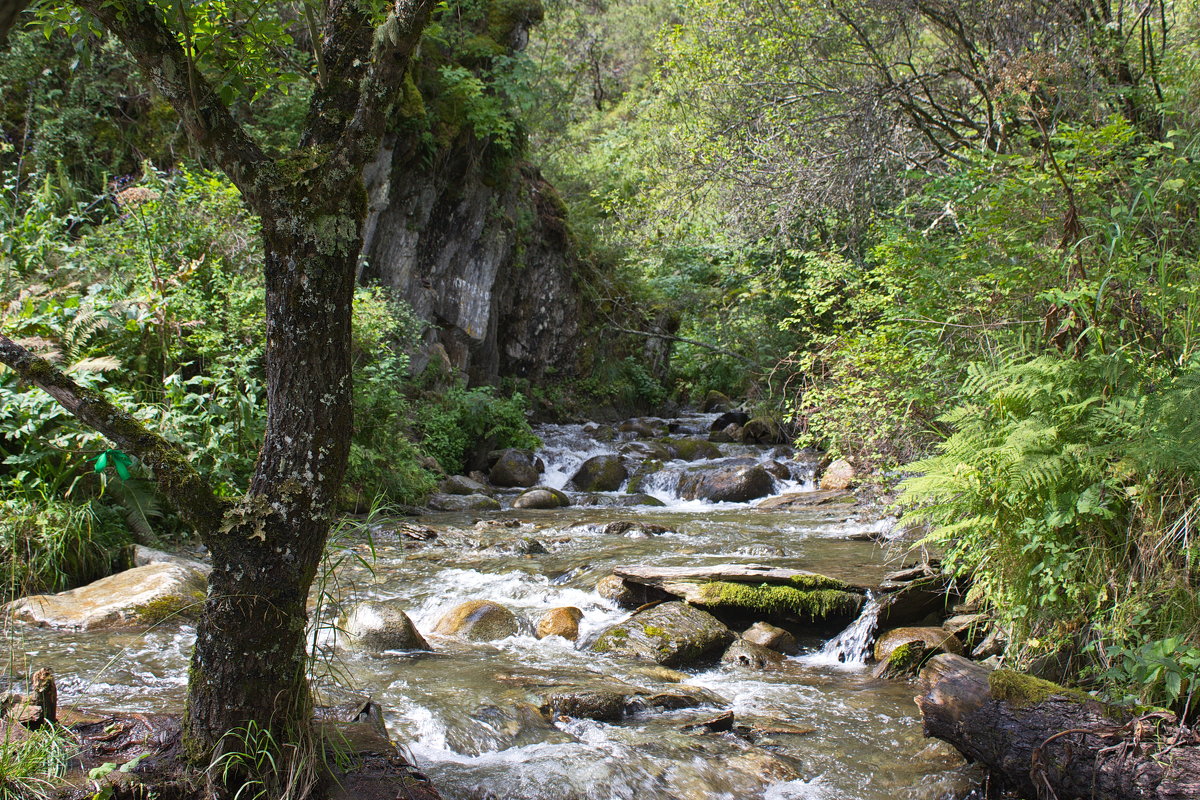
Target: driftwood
(1047,742)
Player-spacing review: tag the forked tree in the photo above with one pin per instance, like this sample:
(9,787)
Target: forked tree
(249,659)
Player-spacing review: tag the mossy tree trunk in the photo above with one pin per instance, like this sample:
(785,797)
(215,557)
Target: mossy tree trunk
(249,659)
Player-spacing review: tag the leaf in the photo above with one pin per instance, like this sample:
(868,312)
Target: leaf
(96,773)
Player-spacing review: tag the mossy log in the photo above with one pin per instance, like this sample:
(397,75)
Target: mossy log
(1043,740)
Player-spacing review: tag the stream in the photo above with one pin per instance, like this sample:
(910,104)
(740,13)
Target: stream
(467,711)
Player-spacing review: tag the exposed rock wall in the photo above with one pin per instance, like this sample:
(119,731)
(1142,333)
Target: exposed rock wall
(474,238)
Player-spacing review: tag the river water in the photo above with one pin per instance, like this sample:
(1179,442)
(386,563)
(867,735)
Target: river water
(825,729)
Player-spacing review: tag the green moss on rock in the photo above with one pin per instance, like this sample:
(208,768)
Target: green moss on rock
(819,598)
(185,606)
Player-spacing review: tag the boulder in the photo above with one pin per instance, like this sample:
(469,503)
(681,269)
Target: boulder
(762,430)
(478,621)
(611,700)
(722,422)
(615,589)
(768,635)
(513,467)
(654,451)
(838,476)
(693,449)
(716,401)
(139,596)
(747,654)
(140,556)
(619,501)
(637,428)
(796,500)
(916,600)
(634,530)
(935,640)
(461,484)
(733,484)
(671,634)
(492,727)
(603,473)
(541,497)
(462,502)
(377,625)
(562,622)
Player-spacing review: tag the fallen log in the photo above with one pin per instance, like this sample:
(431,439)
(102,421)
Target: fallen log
(1044,741)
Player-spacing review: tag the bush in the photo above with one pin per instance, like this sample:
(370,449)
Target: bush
(465,421)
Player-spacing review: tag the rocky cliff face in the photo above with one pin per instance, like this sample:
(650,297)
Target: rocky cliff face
(473,238)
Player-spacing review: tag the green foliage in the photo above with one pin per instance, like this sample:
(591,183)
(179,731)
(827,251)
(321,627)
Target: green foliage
(31,762)
(466,420)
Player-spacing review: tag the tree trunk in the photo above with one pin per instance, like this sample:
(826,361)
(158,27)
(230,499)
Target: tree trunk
(249,662)
(1045,741)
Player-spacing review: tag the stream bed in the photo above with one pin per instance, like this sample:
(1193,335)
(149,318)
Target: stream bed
(823,728)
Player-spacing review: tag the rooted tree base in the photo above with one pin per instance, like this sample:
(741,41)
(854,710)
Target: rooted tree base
(375,768)
(1042,740)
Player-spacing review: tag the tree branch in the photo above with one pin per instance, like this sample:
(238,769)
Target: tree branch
(177,479)
(207,119)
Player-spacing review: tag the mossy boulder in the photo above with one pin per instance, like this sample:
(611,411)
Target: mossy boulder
(722,422)
(542,497)
(672,634)
(462,502)
(731,484)
(638,428)
(603,473)
(513,468)
(562,622)
(693,449)
(904,661)
(810,598)
(374,626)
(136,597)
(479,621)
(614,588)
(935,640)
(715,401)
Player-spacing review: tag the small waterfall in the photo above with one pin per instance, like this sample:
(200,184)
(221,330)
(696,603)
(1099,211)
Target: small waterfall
(852,646)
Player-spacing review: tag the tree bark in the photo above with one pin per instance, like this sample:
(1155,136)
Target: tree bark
(1044,741)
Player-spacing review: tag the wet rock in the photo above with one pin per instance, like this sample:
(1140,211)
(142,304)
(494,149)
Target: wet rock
(636,427)
(634,530)
(804,500)
(378,625)
(838,476)
(761,550)
(935,640)
(743,653)
(615,589)
(715,401)
(541,497)
(478,621)
(677,697)
(524,546)
(603,473)
(513,467)
(692,449)
(490,728)
(738,418)
(671,634)
(650,451)
(762,430)
(664,674)
(778,470)
(463,502)
(772,636)
(916,600)
(718,724)
(138,596)
(611,700)
(478,476)
(562,622)
(638,478)
(461,484)
(735,484)
(904,661)
(619,501)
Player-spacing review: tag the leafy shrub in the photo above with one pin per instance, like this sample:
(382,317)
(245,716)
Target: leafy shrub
(463,421)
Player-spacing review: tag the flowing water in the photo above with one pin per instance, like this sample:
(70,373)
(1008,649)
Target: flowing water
(825,729)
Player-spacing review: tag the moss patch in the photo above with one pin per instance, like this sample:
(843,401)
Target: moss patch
(185,606)
(811,603)
(1025,690)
